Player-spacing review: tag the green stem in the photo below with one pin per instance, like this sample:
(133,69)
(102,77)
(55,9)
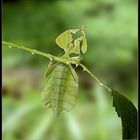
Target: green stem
(60,59)
(33,51)
(94,77)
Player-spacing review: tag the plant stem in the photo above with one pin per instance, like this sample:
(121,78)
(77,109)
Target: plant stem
(33,51)
(94,77)
(60,59)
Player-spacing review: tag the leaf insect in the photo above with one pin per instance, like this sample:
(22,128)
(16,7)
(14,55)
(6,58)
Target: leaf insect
(61,88)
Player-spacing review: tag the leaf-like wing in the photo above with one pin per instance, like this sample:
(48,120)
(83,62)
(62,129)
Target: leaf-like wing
(74,30)
(64,39)
(76,48)
(84,45)
(61,90)
(74,74)
(128,114)
(70,44)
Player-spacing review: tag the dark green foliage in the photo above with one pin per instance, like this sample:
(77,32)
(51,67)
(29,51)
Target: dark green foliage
(128,114)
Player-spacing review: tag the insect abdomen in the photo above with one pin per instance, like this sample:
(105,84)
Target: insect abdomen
(61,89)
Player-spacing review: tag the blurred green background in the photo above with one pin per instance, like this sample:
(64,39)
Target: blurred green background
(111,30)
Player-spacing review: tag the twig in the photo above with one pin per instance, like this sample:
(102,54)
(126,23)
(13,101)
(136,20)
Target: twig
(60,59)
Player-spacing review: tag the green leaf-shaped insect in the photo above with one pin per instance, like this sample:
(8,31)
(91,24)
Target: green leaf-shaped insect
(70,44)
(61,88)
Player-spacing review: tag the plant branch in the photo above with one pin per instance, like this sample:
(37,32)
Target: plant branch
(94,77)
(34,51)
(60,59)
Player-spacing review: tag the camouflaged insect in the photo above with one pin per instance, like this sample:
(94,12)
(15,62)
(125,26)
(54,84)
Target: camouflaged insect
(61,88)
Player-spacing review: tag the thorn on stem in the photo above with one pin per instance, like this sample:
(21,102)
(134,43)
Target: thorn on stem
(100,84)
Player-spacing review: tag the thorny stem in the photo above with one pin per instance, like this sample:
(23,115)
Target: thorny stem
(33,51)
(93,76)
(60,59)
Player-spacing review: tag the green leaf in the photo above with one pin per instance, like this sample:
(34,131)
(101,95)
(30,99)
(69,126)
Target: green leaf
(64,39)
(70,48)
(76,48)
(128,114)
(74,30)
(84,45)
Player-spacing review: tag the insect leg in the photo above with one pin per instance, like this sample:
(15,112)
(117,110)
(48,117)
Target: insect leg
(50,68)
(74,74)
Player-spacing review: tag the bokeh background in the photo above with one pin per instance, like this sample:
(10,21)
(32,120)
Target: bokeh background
(111,31)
